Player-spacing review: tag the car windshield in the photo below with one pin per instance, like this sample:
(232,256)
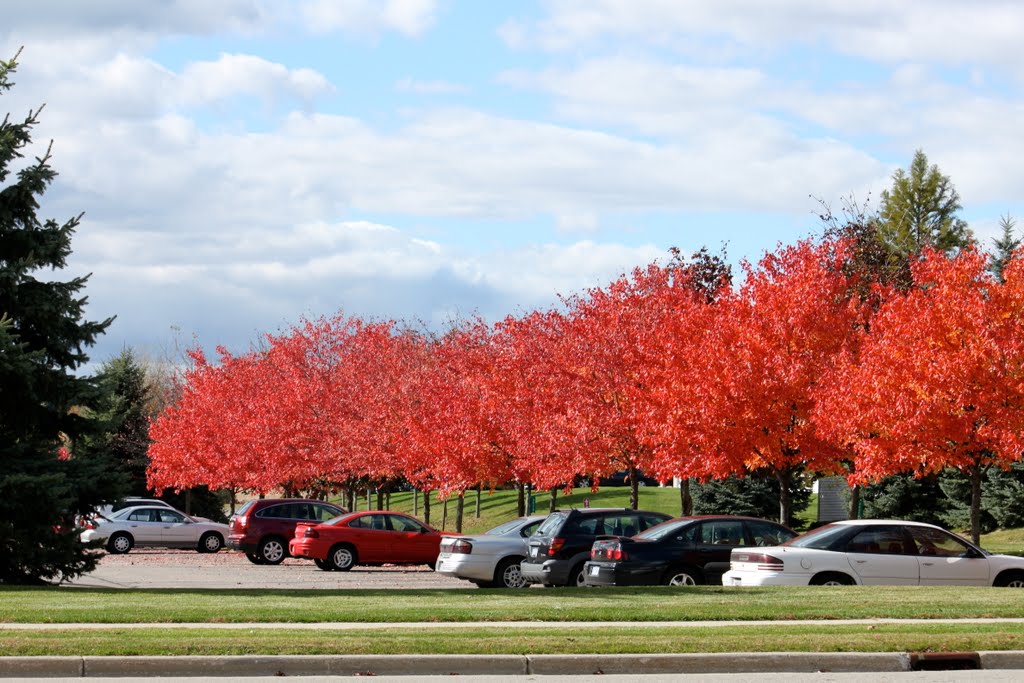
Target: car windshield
(821,538)
(340,518)
(660,531)
(505,528)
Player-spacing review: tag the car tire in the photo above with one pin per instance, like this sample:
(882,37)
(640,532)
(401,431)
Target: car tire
(272,550)
(831,579)
(683,577)
(254,558)
(210,542)
(120,543)
(1010,579)
(323,564)
(508,574)
(342,557)
(576,577)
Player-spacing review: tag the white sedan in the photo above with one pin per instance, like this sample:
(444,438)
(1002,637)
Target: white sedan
(155,526)
(490,560)
(874,552)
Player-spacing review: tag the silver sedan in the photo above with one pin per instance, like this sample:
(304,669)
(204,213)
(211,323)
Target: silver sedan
(490,560)
(155,526)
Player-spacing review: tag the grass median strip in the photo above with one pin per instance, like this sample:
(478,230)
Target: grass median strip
(702,603)
(150,641)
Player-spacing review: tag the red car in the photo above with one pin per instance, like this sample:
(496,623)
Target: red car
(371,537)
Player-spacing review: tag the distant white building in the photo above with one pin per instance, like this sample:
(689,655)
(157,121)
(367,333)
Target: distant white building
(833,498)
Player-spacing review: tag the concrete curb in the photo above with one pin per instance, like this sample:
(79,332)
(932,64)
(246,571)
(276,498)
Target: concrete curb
(494,665)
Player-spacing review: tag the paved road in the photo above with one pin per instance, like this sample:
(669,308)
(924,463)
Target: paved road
(904,677)
(146,568)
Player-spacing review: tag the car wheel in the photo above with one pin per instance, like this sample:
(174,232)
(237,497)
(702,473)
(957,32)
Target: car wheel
(120,543)
(254,558)
(683,576)
(342,557)
(272,550)
(509,574)
(323,564)
(1009,580)
(210,543)
(831,579)
(576,576)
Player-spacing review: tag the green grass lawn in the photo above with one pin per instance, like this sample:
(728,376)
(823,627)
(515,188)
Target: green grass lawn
(701,603)
(509,639)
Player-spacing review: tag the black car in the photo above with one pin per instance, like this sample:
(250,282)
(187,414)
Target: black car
(557,551)
(681,552)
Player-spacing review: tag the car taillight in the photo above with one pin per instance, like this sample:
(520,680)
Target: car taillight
(461,546)
(240,522)
(608,550)
(766,563)
(310,532)
(555,545)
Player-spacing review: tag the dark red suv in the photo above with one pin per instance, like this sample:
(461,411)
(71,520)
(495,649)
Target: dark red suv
(262,528)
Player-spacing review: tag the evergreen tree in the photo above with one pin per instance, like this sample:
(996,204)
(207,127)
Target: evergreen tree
(754,496)
(127,415)
(921,211)
(904,497)
(1004,245)
(50,468)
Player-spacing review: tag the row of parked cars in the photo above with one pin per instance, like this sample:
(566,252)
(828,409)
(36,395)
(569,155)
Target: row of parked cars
(576,547)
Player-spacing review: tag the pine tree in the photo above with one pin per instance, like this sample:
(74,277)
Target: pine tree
(921,211)
(127,394)
(50,467)
(1004,245)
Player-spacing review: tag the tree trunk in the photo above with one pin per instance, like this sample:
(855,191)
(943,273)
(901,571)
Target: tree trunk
(521,499)
(460,506)
(415,502)
(369,499)
(234,499)
(188,501)
(975,476)
(444,515)
(685,499)
(478,488)
(854,502)
(554,499)
(426,506)
(785,501)
(380,500)
(634,489)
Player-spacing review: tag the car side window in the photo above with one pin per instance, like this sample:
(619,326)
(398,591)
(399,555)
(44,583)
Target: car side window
(324,512)
(619,525)
(275,511)
(647,521)
(883,540)
(360,522)
(399,523)
(589,526)
(763,533)
(375,522)
(937,543)
(141,516)
(170,517)
(722,532)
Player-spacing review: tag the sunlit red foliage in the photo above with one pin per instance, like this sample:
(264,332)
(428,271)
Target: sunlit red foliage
(939,381)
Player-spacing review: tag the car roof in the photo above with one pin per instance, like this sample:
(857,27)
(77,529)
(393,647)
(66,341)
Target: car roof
(881,522)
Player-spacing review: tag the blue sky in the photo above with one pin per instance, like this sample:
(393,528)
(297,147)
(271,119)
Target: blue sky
(244,163)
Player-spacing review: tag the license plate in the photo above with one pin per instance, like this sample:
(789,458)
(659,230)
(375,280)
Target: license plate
(533,552)
(594,571)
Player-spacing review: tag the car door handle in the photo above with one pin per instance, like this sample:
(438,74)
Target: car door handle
(861,561)
(928,564)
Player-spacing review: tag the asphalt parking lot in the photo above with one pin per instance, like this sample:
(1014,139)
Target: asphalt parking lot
(146,568)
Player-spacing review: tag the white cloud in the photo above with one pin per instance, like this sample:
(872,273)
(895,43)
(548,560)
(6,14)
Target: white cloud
(409,17)
(205,82)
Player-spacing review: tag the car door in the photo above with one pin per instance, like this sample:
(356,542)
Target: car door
(411,541)
(883,556)
(371,537)
(144,525)
(176,529)
(714,541)
(945,560)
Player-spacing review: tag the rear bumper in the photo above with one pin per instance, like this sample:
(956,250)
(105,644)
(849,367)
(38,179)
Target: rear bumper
(463,566)
(548,572)
(614,574)
(301,547)
(243,544)
(759,578)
